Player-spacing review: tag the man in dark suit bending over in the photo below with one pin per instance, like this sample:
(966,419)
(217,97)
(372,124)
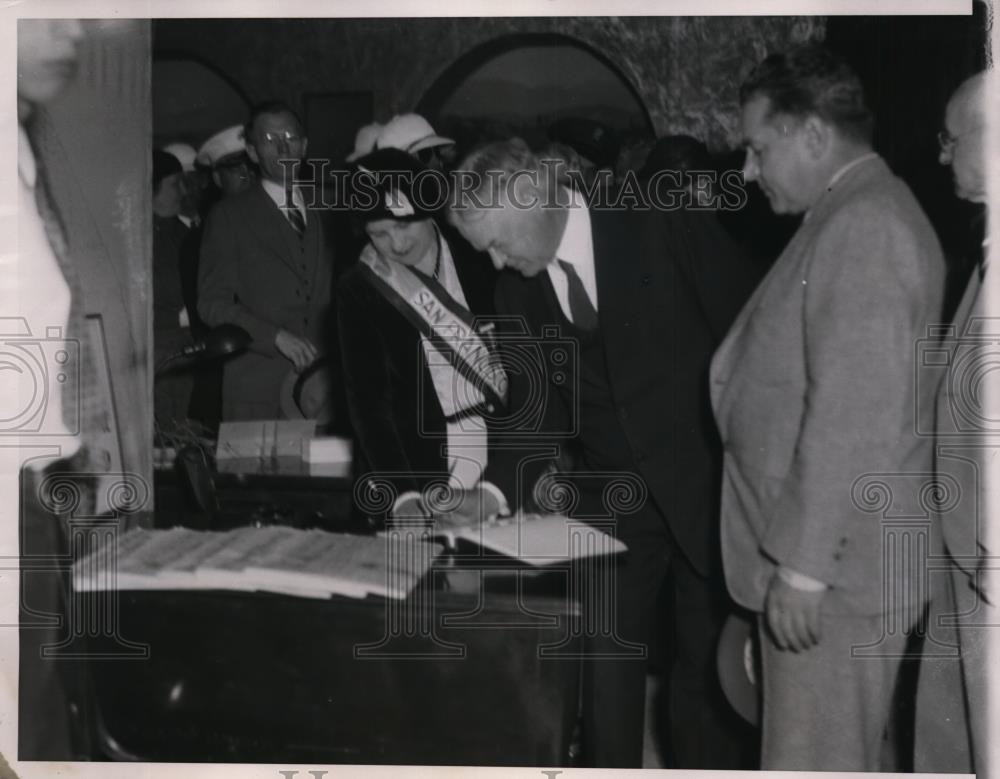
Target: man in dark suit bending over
(625,289)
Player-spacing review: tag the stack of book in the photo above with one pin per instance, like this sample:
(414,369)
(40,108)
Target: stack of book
(307,563)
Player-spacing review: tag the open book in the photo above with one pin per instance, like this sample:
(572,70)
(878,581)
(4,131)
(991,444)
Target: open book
(535,539)
(306,563)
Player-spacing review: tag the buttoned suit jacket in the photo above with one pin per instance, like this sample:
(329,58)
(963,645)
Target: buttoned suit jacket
(816,397)
(255,272)
(663,307)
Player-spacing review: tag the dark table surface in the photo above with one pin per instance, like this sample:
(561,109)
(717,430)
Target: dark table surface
(473,668)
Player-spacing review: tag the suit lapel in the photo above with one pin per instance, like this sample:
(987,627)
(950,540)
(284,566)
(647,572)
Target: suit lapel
(970,302)
(724,360)
(313,244)
(722,363)
(475,274)
(547,300)
(616,267)
(534,299)
(272,229)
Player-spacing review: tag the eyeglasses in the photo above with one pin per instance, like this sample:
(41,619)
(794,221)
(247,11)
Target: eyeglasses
(287,136)
(947,141)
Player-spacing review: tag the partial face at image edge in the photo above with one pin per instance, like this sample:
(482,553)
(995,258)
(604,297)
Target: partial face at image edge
(47,55)
(963,148)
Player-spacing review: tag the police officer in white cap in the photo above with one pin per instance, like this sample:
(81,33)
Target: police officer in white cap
(413,134)
(225,155)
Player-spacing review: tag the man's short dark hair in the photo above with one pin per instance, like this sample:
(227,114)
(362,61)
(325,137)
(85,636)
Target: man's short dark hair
(270,107)
(810,80)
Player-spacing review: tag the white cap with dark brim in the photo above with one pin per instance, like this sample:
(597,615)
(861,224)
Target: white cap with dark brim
(224,143)
(184,153)
(365,140)
(410,133)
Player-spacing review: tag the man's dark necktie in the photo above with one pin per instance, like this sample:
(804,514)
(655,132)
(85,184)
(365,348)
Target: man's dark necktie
(81,412)
(295,218)
(580,307)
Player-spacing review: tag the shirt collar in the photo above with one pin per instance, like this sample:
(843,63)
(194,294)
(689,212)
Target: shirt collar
(276,192)
(841,172)
(576,246)
(850,166)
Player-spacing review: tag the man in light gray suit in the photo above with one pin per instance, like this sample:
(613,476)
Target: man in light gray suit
(952,722)
(814,396)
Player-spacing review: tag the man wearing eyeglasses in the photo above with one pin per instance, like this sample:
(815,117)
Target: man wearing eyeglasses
(952,723)
(961,148)
(266,266)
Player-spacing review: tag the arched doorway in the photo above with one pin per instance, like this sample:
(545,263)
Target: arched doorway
(192,100)
(522,84)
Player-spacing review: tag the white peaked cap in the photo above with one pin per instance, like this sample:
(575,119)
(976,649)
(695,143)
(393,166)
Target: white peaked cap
(223,144)
(364,141)
(411,133)
(184,153)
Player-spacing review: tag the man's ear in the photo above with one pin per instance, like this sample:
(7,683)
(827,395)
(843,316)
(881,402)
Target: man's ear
(818,136)
(252,154)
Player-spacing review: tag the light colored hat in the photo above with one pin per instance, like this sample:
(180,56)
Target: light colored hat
(411,133)
(224,143)
(184,153)
(364,141)
(309,394)
(738,666)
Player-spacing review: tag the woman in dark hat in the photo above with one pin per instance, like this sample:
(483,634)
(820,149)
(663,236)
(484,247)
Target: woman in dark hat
(422,376)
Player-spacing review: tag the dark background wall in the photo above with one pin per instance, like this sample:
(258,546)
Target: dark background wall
(910,65)
(685,70)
